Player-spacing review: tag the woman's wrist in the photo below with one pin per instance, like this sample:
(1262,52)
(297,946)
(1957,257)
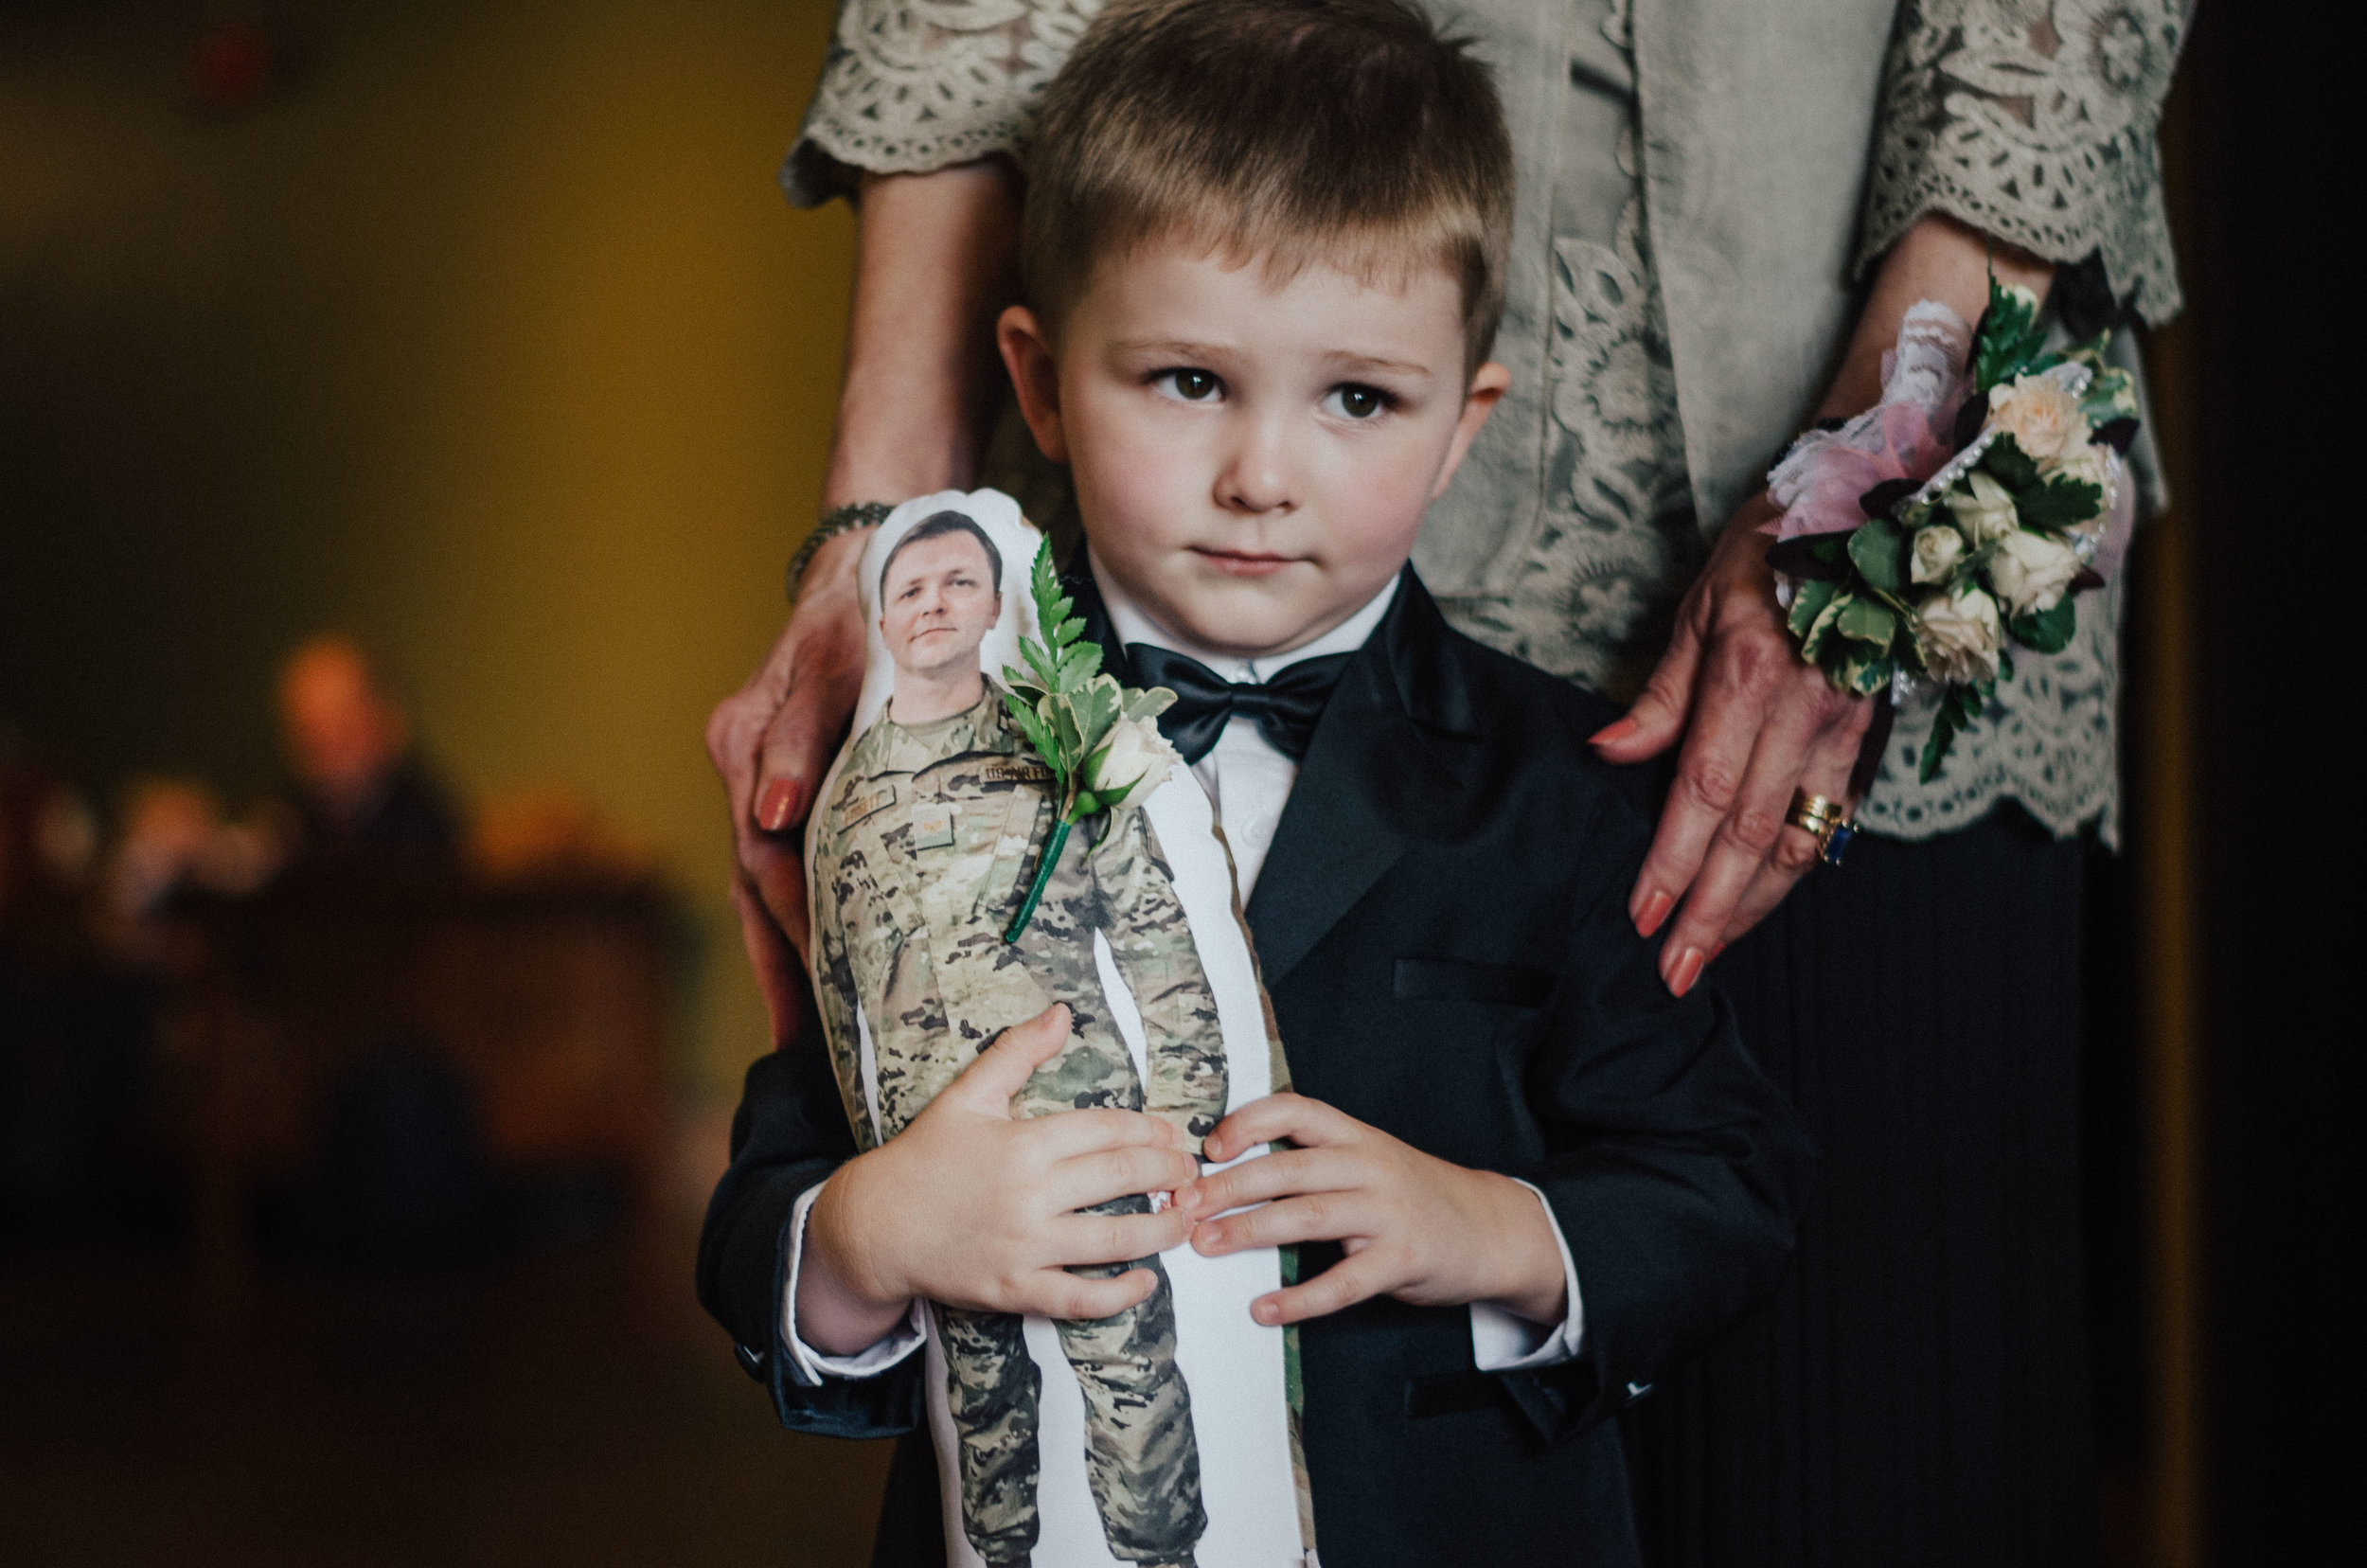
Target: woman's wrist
(831,570)
(1939,257)
(854,517)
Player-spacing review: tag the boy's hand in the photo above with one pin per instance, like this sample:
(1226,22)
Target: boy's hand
(972,1208)
(1415,1227)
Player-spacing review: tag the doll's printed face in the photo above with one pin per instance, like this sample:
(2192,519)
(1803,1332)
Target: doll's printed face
(1251,458)
(936,606)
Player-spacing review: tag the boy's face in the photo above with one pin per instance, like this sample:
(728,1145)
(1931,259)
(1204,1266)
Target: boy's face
(1252,459)
(937,605)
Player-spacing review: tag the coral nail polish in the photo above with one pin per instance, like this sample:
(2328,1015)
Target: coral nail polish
(779,807)
(1656,907)
(1618,730)
(1688,970)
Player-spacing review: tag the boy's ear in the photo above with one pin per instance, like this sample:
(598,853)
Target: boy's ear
(1489,382)
(1035,376)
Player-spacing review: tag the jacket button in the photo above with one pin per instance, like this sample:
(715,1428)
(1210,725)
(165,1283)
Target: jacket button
(1636,1391)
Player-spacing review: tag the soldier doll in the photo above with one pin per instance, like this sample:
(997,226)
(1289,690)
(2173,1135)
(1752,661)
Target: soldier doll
(926,847)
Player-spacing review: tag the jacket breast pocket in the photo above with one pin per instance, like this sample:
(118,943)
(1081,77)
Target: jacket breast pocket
(1458,980)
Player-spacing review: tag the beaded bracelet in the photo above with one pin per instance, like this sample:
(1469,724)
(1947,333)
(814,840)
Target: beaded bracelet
(838,520)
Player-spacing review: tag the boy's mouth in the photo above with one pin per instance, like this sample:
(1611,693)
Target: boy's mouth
(1247,563)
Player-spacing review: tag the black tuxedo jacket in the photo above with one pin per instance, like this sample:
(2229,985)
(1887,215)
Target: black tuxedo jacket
(1442,925)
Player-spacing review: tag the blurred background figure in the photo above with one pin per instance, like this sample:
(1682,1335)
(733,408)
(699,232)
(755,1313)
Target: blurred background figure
(74,1023)
(174,837)
(362,795)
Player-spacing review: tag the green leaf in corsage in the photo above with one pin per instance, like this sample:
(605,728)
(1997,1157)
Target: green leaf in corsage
(2010,339)
(1812,640)
(2060,502)
(2012,466)
(1099,738)
(1807,602)
(1879,550)
(1868,621)
(2049,631)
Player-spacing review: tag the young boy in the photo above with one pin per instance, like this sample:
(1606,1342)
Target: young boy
(1264,250)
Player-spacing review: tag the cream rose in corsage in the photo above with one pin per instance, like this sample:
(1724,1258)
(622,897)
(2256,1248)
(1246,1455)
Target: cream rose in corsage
(1958,634)
(2031,571)
(1983,509)
(1937,551)
(2040,415)
(1098,738)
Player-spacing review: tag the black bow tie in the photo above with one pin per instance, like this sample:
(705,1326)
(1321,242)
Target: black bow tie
(1286,707)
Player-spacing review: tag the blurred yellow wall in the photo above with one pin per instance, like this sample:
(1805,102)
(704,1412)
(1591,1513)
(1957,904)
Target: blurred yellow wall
(485,334)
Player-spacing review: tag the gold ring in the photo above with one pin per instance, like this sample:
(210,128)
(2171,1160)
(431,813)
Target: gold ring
(1823,820)
(1810,812)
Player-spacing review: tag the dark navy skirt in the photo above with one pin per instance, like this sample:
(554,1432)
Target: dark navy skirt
(1917,1392)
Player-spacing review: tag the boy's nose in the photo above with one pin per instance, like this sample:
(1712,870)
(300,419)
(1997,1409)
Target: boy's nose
(1257,479)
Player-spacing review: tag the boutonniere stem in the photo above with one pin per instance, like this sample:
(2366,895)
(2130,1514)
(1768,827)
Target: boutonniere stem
(1099,739)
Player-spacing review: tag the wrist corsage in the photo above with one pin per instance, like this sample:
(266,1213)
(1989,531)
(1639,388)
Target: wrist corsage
(1100,738)
(1959,516)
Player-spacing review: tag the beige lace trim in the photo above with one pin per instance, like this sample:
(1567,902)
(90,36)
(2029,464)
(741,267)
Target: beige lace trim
(912,85)
(2033,120)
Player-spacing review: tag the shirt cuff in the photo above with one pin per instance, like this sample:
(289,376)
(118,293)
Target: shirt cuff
(808,1366)
(1505,1342)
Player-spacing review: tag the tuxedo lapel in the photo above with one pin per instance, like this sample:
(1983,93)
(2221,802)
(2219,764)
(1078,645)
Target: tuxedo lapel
(1381,768)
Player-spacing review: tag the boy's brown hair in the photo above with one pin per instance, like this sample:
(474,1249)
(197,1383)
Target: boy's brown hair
(1277,130)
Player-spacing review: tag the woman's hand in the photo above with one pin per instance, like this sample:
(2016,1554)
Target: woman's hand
(934,266)
(771,741)
(972,1208)
(1756,721)
(1413,1226)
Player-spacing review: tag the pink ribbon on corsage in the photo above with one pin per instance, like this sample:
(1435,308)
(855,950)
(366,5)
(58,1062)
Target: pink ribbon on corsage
(1909,434)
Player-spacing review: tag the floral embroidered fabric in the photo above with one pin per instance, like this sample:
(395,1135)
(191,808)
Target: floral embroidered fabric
(2031,120)
(2034,122)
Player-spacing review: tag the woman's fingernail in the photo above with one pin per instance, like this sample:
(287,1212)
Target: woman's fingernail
(1619,730)
(779,807)
(1265,1312)
(1656,907)
(1688,970)
(1207,1238)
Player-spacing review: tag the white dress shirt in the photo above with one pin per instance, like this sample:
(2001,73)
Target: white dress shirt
(1248,781)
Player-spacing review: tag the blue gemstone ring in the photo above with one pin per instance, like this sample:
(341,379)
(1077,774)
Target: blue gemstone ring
(1823,820)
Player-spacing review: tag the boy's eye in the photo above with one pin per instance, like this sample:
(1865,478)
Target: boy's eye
(1355,400)
(1190,386)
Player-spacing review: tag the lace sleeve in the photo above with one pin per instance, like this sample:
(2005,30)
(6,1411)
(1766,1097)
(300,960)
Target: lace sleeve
(2033,120)
(912,85)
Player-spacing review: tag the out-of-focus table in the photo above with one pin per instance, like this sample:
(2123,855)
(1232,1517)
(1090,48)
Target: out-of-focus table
(550,1001)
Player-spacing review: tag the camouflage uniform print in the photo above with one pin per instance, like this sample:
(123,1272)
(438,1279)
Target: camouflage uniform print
(924,853)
